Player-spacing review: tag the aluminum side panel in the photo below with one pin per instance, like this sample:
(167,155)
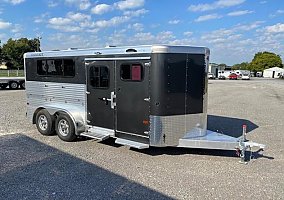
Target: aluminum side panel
(70,98)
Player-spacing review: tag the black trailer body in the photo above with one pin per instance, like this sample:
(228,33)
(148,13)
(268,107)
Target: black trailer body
(142,95)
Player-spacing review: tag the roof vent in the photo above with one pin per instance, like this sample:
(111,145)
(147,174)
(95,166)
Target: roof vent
(131,50)
(110,46)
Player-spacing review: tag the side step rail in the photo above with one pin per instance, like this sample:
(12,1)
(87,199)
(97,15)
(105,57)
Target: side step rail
(93,135)
(98,133)
(137,145)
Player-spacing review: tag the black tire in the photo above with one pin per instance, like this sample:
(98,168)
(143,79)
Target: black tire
(65,128)
(13,85)
(3,85)
(22,85)
(45,122)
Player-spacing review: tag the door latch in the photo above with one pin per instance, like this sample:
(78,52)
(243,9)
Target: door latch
(112,100)
(147,99)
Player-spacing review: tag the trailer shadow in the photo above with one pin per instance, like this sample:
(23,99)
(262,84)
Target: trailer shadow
(229,126)
(32,170)
(157,151)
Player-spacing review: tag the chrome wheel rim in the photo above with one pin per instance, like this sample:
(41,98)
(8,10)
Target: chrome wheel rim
(42,122)
(63,127)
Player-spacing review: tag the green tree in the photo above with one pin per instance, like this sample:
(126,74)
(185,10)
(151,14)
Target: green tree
(222,65)
(241,66)
(14,50)
(265,60)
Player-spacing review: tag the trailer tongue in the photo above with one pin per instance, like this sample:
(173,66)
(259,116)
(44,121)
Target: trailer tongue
(214,140)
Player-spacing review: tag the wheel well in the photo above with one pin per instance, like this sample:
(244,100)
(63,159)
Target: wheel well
(35,113)
(61,112)
(69,115)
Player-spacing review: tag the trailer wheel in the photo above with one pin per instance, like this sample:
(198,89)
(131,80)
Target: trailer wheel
(65,128)
(13,85)
(45,122)
(22,85)
(3,85)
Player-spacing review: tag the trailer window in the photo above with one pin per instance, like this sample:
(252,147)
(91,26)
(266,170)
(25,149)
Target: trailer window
(41,67)
(69,67)
(131,72)
(56,67)
(99,77)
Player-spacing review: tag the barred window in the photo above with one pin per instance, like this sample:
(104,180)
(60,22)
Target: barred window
(56,67)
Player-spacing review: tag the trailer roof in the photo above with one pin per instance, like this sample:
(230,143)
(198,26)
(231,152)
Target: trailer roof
(124,50)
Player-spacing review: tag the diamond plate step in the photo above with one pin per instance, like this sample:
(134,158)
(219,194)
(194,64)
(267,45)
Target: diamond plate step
(137,145)
(99,136)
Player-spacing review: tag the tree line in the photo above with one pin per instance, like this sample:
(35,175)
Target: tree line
(260,62)
(12,51)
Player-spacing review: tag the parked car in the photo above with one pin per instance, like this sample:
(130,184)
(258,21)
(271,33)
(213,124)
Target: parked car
(222,77)
(246,77)
(211,76)
(233,76)
(258,74)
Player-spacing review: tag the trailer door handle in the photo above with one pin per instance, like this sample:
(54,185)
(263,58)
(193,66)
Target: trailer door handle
(147,99)
(112,100)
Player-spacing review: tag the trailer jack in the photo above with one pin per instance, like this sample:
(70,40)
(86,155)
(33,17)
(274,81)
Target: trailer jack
(245,147)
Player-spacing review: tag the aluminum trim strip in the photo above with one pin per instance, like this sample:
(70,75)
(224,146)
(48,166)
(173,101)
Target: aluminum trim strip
(180,49)
(123,58)
(142,49)
(132,134)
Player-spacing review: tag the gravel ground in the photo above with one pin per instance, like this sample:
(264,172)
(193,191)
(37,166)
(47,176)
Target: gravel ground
(33,166)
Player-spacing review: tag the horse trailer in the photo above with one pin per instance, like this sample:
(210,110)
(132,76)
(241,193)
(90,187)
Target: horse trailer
(142,96)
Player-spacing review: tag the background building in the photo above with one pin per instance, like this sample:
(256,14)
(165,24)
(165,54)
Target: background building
(273,72)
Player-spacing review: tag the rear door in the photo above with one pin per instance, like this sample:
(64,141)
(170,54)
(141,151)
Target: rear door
(132,96)
(100,93)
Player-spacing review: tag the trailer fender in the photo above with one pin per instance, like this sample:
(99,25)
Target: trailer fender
(74,113)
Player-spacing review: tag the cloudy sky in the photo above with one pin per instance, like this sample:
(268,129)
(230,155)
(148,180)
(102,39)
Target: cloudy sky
(234,30)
